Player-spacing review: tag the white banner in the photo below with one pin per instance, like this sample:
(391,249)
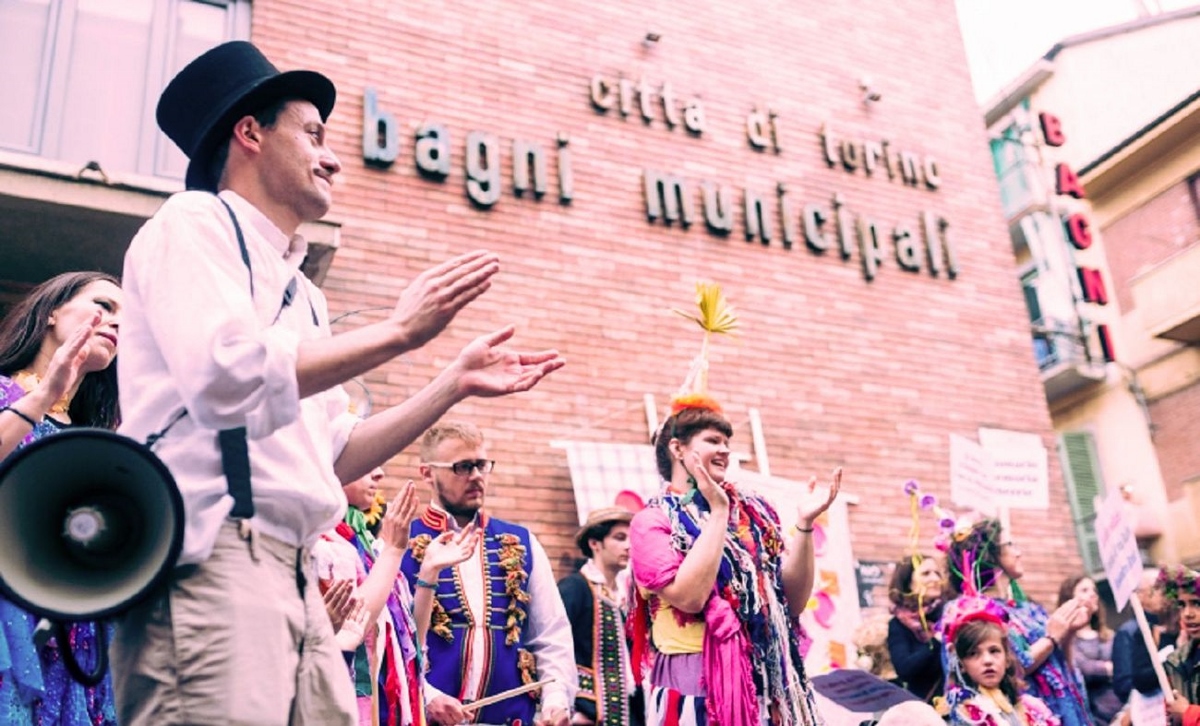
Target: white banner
(971,475)
(1020,468)
(1118,548)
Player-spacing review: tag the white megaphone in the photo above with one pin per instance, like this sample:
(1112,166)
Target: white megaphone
(91,522)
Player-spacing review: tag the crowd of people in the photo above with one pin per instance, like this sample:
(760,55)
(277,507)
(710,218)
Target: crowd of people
(292,603)
(286,606)
(965,638)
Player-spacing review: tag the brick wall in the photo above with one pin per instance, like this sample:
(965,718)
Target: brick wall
(872,376)
(1147,236)
(1175,418)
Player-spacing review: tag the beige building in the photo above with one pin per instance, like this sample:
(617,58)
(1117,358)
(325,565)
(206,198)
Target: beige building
(1097,150)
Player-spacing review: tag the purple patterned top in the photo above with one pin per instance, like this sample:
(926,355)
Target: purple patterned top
(35,687)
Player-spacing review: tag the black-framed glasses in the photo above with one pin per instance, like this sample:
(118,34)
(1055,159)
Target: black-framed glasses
(466,466)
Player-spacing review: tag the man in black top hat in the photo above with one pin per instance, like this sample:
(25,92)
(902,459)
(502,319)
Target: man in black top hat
(231,368)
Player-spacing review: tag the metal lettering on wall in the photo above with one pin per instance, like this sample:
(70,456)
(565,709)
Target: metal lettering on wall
(768,217)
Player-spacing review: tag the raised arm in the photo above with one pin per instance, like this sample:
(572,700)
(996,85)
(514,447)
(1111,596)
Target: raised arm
(483,368)
(798,560)
(424,309)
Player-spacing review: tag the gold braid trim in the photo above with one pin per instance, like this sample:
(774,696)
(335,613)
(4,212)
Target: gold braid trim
(512,554)
(527,665)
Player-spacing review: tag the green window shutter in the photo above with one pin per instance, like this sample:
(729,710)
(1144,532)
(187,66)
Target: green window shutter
(1081,470)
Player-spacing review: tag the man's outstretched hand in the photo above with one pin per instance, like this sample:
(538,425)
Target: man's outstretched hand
(487,369)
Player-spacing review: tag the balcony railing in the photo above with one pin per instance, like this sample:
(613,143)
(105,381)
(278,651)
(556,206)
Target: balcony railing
(1064,359)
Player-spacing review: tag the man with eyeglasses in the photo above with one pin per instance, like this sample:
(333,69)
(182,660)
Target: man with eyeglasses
(497,620)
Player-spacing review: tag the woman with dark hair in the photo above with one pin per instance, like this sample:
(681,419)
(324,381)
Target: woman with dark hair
(720,585)
(983,561)
(57,353)
(916,652)
(1091,649)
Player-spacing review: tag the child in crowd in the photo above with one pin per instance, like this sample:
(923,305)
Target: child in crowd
(1182,589)
(986,671)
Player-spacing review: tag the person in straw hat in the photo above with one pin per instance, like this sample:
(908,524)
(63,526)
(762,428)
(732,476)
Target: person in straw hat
(229,364)
(596,601)
(720,583)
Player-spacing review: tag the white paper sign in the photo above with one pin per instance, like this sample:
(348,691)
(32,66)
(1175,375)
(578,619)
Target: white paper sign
(971,475)
(1118,548)
(1020,468)
(1147,710)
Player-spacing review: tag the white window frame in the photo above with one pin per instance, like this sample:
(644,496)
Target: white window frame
(53,68)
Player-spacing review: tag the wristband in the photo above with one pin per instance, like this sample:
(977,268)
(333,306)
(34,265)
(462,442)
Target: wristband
(426,584)
(19,415)
(803,530)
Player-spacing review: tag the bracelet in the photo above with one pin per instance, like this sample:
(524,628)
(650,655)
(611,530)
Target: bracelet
(803,530)
(19,415)
(1054,641)
(426,584)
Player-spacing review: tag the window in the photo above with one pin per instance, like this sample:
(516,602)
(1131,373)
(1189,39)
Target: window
(1081,472)
(82,77)
(1020,186)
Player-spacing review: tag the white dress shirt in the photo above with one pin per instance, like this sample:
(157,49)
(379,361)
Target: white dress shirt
(548,632)
(192,337)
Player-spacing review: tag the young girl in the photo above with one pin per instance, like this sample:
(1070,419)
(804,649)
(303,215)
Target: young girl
(987,673)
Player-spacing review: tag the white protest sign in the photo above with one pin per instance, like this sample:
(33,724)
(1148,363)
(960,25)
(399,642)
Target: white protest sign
(1020,468)
(1118,549)
(1147,710)
(971,475)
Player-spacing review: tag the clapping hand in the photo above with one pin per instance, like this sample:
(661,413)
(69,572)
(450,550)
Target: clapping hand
(339,601)
(394,528)
(435,296)
(1066,619)
(63,370)
(449,549)
(815,499)
(485,368)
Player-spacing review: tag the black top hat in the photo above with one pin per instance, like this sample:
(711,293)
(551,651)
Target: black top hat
(200,105)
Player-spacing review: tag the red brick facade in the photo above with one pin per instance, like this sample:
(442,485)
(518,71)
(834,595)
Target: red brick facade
(1148,235)
(1175,418)
(873,376)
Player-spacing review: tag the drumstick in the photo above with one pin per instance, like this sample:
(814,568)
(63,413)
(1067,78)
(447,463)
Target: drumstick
(506,694)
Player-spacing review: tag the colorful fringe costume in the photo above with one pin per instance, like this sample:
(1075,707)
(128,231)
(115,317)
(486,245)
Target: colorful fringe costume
(386,667)
(751,658)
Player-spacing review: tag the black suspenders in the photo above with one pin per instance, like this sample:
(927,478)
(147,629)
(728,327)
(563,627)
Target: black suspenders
(235,457)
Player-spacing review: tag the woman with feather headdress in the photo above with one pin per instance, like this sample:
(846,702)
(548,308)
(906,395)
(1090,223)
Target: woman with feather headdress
(720,585)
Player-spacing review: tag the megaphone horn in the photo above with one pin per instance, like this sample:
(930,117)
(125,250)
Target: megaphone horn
(91,522)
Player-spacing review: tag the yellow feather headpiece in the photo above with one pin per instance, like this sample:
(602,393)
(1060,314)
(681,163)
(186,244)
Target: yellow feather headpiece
(716,317)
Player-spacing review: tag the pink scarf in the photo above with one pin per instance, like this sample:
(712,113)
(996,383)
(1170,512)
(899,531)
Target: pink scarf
(730,695)
(728,685)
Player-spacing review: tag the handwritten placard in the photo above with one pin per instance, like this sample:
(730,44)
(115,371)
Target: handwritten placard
(1118,548)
